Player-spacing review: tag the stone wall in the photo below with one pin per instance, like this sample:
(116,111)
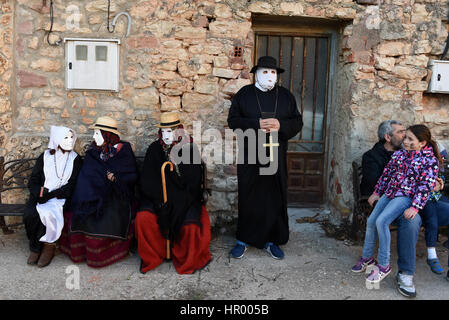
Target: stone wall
(7,23)
(386,52)
(6,69)
(179,56)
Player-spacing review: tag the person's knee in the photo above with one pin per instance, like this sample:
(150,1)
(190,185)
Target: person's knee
(380,224)
(145,218)
(371,222)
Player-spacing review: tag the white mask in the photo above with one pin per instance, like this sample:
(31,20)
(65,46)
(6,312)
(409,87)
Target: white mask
(67,142)
(167,135)
(98,137)
(62,137)
(265,78)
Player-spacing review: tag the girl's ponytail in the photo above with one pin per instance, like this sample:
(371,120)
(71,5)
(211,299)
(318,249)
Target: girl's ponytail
(436,152)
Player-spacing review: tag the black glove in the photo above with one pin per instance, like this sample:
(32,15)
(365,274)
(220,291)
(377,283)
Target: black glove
(45,196)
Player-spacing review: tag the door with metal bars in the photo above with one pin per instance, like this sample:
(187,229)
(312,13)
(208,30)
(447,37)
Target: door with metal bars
(305,60)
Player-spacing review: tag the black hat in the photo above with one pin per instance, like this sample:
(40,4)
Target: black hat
(267,62)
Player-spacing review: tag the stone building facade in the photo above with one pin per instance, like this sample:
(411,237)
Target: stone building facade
(181,55)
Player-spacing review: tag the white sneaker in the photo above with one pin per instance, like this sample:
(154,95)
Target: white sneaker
(405,285)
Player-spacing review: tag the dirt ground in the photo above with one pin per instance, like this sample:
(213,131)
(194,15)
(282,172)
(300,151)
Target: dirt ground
(316,267)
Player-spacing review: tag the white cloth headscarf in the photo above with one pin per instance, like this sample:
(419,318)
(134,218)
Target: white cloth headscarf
(58,133)
(57,170)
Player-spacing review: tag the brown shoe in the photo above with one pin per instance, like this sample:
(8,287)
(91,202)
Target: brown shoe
(47,254)
(34,256)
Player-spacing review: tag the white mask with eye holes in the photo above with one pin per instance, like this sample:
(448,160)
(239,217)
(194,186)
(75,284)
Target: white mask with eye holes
(98,137)
(67,143)
(167,135)
(266,78)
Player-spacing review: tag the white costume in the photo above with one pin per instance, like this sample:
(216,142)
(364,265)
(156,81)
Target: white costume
(57,170)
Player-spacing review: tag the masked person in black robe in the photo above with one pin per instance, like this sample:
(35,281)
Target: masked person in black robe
(180,225)
(51,185)
(262,204)
(99,228)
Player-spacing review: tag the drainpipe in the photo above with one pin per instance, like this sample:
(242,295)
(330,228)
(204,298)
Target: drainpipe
(129,21)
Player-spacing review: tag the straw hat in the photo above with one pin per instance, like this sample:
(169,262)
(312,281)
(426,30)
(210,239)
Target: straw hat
(169,120)
(105,124)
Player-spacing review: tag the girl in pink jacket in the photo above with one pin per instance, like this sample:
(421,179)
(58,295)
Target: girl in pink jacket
(403,188)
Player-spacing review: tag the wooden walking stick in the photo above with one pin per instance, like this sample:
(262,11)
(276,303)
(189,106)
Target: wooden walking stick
(164,191)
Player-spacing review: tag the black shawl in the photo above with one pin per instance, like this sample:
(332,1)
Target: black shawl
(183,185)
(100,206)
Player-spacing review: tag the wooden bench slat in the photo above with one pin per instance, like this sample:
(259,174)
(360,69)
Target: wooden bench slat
(12,209)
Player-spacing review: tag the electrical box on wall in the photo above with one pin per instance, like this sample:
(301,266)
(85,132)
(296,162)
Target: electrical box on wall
(92,64)
(439,81)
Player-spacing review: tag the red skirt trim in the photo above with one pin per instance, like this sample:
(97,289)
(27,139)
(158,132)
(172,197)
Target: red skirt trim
(97,252)
(189,253)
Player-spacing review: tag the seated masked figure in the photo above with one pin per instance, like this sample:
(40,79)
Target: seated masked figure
(99,226)
(176,226)
(51,185)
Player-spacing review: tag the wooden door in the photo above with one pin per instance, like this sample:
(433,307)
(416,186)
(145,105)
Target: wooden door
(305,60)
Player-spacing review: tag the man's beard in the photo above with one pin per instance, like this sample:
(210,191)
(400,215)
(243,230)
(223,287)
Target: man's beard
(397,146)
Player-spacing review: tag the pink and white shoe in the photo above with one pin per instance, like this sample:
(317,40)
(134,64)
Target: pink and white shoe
(362,264)
(378,274)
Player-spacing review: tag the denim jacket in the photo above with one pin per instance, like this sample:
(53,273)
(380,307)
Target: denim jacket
(411,174)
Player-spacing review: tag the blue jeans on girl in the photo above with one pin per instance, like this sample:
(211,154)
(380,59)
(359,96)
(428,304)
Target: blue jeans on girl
(377,227)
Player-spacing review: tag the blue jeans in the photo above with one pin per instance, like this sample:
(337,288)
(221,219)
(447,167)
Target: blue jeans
(430,216)
(443,216)
(377,226)
(408,232)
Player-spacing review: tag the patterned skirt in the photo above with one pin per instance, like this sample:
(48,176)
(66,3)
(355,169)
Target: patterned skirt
(98,252)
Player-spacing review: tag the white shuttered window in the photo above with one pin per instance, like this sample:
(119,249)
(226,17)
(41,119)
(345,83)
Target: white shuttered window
(92,64)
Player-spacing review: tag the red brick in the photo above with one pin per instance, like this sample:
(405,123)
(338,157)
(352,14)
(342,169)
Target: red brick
(201,21)
(143,42)
(28,79)
(25,27)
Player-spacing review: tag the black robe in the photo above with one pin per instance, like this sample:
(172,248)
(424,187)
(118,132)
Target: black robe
(184,191)
(262,204)
(101,207)
(35,229)
(37,180)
